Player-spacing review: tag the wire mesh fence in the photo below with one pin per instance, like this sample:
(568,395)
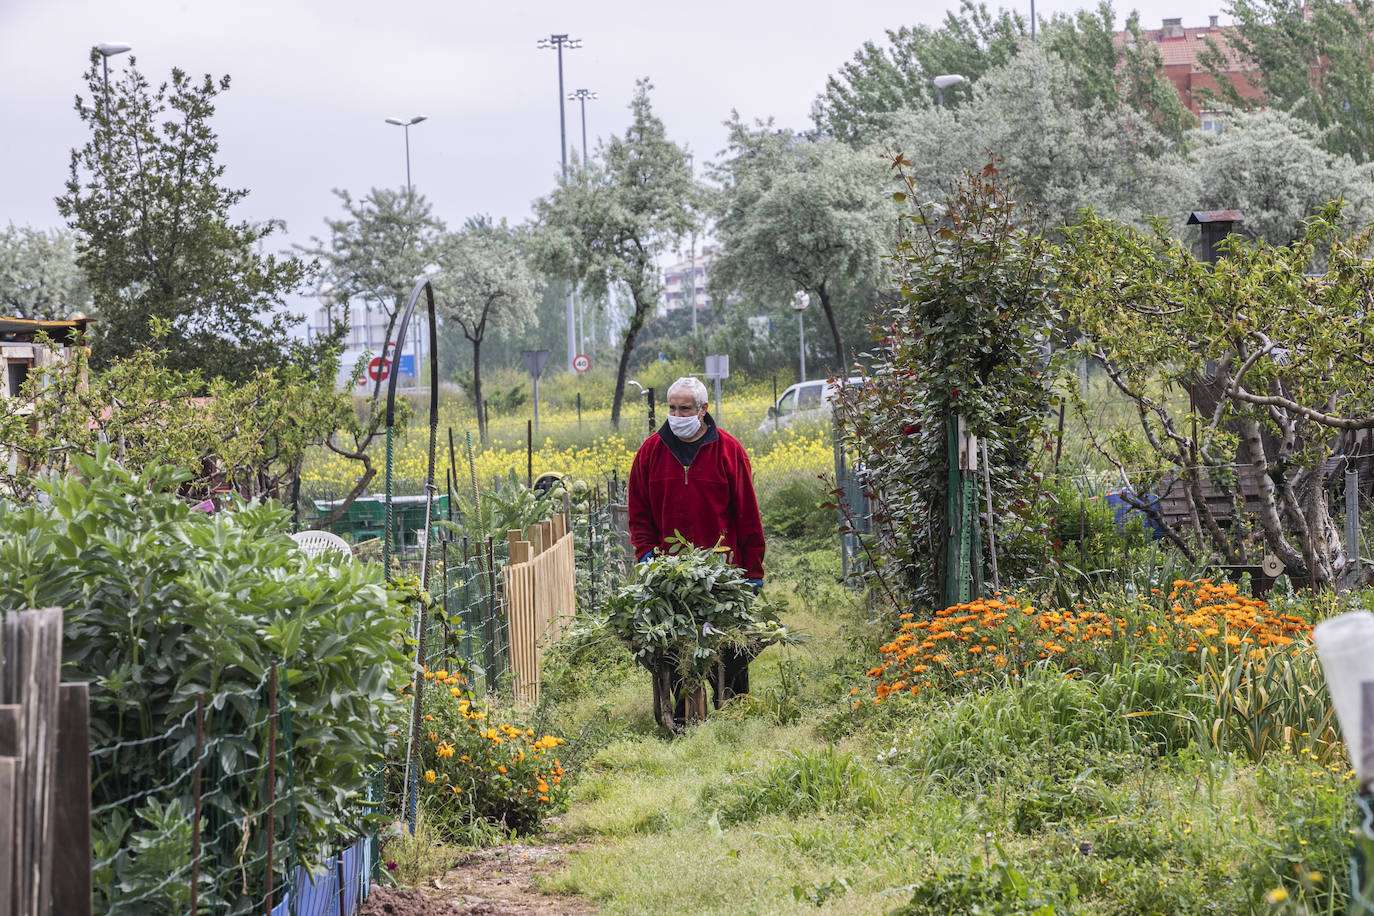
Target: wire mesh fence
(205,818)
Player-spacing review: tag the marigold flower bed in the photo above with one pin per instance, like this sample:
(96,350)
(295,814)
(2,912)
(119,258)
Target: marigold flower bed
(472,766)
(1001,636)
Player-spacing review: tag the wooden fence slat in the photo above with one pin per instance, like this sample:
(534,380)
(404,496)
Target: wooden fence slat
(9,778)
(33,658)
(71,888)
(540,598)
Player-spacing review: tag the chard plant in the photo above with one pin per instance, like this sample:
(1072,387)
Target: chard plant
(682,608)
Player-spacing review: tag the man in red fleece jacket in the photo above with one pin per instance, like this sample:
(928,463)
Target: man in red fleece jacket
(693,477)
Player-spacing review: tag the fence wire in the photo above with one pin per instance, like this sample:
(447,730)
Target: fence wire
(201,818)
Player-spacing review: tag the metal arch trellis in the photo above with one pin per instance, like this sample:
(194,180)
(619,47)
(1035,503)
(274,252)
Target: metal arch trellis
(411,780)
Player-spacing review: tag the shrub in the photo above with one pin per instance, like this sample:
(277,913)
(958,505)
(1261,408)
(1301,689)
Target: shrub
(474,767)
(162,602)
(795,510)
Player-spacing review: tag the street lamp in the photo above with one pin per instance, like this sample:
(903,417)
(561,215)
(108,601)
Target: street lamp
(328,295)
(108,50)
(799,303)
(944,82)
(406,126)
(558,43)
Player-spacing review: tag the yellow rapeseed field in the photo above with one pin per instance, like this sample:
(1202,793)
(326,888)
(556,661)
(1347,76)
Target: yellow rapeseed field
(590,451)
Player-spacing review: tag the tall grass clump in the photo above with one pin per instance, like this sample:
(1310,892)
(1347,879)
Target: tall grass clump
(802,782)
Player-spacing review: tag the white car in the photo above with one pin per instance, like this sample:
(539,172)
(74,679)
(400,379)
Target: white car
(804,402)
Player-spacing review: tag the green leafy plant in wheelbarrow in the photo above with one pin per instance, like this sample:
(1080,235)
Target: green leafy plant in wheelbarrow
(682,614)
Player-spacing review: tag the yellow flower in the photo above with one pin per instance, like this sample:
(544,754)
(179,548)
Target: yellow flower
(429,776)
(444,749)
(1277,895)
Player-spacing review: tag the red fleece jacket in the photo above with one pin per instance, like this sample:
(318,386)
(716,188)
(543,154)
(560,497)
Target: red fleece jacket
(710,499)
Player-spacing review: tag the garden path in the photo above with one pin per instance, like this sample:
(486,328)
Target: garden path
(495,881)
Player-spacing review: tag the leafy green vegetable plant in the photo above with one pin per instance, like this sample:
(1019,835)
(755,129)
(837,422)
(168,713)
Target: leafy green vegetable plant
(681,608)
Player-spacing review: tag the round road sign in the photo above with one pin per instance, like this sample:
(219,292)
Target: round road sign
(379,369)
(582,362)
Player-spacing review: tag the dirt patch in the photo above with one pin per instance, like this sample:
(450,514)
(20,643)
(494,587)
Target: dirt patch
(498,881)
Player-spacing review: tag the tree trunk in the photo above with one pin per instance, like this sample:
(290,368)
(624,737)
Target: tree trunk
(477,388)
(841,368)
(1269,510)
(636,322)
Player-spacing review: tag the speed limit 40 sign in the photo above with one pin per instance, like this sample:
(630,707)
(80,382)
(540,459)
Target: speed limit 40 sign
(582,362)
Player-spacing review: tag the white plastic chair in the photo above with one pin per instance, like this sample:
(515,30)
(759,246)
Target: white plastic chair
(315,543)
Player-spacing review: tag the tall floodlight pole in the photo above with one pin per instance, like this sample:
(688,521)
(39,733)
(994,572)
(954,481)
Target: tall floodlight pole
(558,43)
(406,125)
(581,96)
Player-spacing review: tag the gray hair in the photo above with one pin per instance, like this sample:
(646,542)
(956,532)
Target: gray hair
(693,386)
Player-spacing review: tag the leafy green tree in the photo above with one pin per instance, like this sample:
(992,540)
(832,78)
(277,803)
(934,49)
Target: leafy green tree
(38,274)
(248,436)
(1277,362)
(155,238)
(376,251)
(797,214)
(1084,41)
(965,337)
(1310,58)
(486,286)
(1273,168)
(882,80)
(1142,86)
(1058,156)
(608,224)
(373,256)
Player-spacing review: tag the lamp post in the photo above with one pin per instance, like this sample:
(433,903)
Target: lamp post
(558,43)
(328,296)
(942,83)
(799,303)
(108,50)
(406,125)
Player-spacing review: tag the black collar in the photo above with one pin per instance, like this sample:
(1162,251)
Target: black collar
(686,451)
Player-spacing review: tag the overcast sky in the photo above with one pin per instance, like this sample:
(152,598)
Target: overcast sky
(313,82)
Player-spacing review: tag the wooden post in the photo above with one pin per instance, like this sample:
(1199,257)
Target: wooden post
(32,662)
(11,836)
(71,828)
(9,781)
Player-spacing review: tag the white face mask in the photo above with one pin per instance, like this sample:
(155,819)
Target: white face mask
(684,427)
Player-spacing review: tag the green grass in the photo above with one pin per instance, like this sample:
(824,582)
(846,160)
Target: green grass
(1089,796)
